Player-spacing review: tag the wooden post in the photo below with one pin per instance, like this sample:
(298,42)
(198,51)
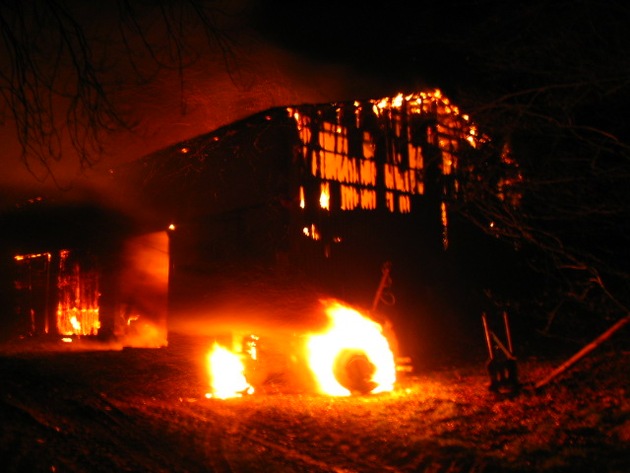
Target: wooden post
(583,352)
(488,340)
(385,282)
(508,334)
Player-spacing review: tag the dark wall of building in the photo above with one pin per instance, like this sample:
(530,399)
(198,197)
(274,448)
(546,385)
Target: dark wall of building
(236,170)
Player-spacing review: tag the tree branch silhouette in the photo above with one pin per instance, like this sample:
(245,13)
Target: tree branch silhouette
(60,79)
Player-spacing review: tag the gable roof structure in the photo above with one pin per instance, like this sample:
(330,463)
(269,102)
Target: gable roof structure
(393,154)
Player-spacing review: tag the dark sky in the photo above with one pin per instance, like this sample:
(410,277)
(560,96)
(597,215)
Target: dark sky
(454,44)
(403,42)
(383,40)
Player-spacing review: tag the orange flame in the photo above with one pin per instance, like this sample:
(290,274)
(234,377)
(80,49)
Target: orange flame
(352,356)
(227,378)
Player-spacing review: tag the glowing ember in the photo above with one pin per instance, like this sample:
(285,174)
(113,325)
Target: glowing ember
(324,198)
(352,356)
(227,377)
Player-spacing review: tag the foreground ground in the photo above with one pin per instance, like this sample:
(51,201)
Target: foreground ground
(145,410)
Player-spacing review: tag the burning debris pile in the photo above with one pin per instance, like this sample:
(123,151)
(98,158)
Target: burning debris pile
(350,355)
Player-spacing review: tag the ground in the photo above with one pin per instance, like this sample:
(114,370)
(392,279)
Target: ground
(142,410)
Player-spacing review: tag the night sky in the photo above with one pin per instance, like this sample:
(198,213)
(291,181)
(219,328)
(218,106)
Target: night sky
(401,44)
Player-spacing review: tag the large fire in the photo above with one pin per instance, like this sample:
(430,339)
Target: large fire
(352,355)
(227,378)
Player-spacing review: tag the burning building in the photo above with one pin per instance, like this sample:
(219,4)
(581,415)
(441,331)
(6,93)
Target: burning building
(331,191)
(76,271)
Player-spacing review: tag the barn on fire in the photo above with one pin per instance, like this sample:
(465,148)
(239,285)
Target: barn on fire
(331,192)
(75,271)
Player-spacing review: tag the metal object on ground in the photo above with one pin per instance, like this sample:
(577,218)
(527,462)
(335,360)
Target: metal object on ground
(501,365)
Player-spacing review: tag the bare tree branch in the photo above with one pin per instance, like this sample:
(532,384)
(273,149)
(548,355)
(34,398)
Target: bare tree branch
(59,80)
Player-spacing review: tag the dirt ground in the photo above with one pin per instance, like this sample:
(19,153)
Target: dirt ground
(140,410)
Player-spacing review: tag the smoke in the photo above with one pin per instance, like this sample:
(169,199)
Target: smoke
(172,108)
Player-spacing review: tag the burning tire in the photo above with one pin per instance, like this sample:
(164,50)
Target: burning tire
(354,371)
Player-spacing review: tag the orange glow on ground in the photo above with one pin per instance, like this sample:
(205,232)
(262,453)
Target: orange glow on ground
(355,344)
